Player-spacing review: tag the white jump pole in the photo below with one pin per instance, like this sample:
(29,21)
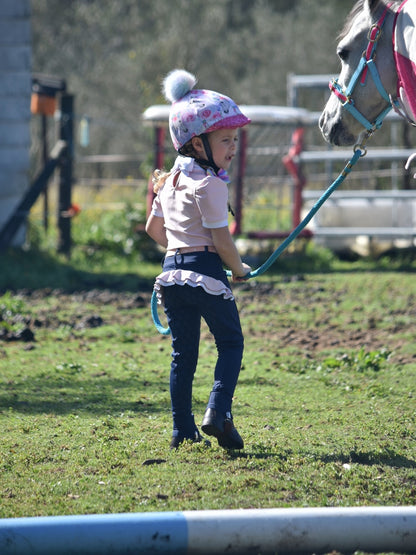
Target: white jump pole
(314,530)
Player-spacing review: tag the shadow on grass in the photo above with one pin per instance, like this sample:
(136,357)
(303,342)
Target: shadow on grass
(388,457)
(247,454)
(100,395)
(40,269)
(37,269)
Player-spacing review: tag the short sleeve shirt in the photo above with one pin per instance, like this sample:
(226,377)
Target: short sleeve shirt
(191,205)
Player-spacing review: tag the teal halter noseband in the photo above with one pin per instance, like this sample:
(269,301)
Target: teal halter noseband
(366,64)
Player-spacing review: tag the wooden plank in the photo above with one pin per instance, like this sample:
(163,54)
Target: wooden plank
(14,134)
(363,194)
(14,31)
(14,8)
(15,57)
(15,83)
(343,155)
(390,232)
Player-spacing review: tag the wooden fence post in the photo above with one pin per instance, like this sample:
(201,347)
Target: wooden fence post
(237,225)
(65,177)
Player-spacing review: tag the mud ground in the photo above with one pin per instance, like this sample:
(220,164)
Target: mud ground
(88,309)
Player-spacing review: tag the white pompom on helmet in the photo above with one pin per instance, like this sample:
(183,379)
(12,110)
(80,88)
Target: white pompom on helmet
(197,111)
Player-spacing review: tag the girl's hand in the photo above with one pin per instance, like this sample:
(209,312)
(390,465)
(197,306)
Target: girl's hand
(228,252)
(242,277)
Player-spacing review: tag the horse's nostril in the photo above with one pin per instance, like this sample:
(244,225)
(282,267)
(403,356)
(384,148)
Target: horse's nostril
(340,136)
(333,134)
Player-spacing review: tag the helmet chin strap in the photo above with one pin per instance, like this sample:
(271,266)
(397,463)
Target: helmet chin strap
(210,164)
(210,159)
(207,162)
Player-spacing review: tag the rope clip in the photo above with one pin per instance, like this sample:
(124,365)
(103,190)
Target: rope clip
(360,147)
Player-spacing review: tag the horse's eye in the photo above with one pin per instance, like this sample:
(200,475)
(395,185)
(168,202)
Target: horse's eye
(342,53)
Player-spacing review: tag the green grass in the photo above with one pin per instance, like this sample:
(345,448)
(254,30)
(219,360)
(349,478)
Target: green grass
(325,401)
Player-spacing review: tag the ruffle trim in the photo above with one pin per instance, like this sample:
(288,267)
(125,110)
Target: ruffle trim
(186,277)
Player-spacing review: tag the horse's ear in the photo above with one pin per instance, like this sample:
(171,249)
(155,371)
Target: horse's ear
(371,5)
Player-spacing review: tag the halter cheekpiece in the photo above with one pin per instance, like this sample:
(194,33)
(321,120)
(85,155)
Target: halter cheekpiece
(365,65)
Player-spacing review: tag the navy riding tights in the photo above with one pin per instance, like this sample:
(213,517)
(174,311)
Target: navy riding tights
(184,307)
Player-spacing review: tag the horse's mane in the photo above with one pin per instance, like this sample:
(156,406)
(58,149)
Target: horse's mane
(358,8)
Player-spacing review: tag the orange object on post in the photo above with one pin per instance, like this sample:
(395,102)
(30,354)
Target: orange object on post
(43,104)
(45,89)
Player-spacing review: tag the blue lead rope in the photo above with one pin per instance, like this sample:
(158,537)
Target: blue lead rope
(155,316)
(359,151)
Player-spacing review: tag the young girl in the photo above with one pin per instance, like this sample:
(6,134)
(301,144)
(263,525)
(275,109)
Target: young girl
(189,218)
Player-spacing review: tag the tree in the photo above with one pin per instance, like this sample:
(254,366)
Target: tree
(114,54)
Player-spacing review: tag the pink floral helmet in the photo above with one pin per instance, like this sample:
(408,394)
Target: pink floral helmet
(197,111)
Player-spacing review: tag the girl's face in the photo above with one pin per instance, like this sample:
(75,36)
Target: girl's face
(223,143)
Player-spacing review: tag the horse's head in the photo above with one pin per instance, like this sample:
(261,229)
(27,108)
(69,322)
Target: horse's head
(341,124)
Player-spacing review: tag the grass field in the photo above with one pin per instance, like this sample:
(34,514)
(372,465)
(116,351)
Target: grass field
(325,401)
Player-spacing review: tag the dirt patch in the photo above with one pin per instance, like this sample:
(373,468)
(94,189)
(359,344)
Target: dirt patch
(76,311)
(366,332)
(85,310)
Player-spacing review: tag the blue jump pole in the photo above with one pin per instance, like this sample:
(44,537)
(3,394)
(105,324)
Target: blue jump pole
(313,530)
(109,534)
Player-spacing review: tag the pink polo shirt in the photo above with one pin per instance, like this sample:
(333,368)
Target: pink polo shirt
(197,203)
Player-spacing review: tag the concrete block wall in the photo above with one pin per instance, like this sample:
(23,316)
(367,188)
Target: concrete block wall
(15,93)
